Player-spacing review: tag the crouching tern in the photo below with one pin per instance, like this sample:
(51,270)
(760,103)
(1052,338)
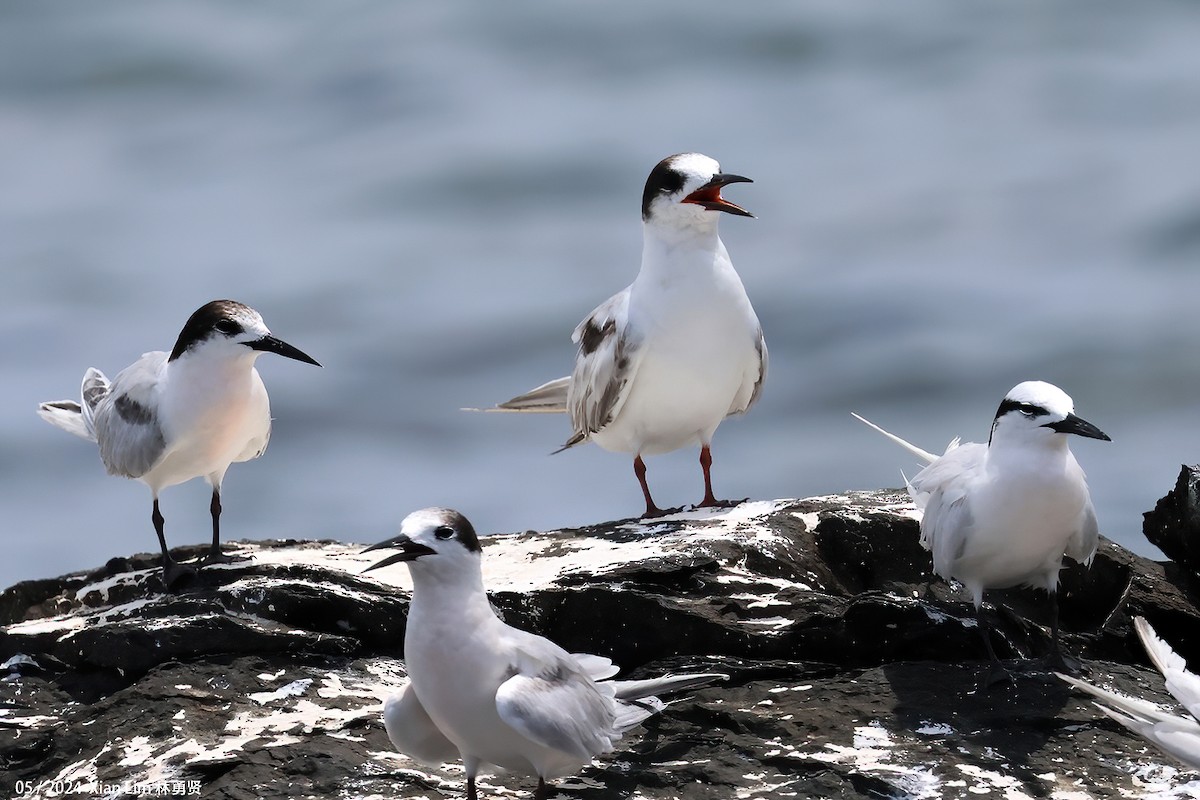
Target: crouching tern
(190,413)
(663,362)
(486,692)
(1005,513)
(1177,735)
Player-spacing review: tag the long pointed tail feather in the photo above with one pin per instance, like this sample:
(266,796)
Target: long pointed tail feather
(549,398)
(924,455)
(1131,708)
(77,418)
(638,699)
(636,690)
(68,415)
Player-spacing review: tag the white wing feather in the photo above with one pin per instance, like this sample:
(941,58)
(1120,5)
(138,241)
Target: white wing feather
(941,491)
(742,402)
(1184,686)
(924,455)
(552,701)
(412,731)
(1176,735)
(1083,543)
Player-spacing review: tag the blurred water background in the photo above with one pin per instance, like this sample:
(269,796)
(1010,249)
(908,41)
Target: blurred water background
(952,198)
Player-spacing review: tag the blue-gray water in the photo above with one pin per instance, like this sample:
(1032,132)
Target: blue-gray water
(952,198)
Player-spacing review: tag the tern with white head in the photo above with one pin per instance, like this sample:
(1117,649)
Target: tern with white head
(663,362)
(489,693)
(190,413)
(1005,513)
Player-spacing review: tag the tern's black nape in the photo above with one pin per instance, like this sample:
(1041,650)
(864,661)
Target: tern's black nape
(460,529)
(208,318)
(664,179)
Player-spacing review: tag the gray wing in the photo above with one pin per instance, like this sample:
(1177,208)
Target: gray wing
(78,418)
(608,359)
(595,667)
(742,403)
(941,491)
(549,398)
(412,732)
(550,700)
(126,420)
(256,447)
(1082,545)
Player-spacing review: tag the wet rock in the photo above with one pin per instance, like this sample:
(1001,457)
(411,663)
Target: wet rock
(853,671)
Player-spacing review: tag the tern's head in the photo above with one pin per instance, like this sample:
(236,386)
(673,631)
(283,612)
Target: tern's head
(685,190)
(230,327)
(434,537)
(1036,411)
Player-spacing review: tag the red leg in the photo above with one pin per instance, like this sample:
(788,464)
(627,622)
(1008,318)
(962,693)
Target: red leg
(710,500)
(639,469)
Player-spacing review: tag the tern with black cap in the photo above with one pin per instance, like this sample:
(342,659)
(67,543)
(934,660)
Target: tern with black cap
(663,362)
(1005,513)
(488,693)
(190,413)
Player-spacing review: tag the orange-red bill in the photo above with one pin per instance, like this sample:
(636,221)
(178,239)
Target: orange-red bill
(709,195)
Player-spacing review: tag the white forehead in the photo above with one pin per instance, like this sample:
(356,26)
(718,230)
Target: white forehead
(248,318)
(1045,395)
(696,165)
(423,520)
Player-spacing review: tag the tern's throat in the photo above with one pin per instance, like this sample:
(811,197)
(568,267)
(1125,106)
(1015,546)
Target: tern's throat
(457,586)
(1037,452)
(670,255)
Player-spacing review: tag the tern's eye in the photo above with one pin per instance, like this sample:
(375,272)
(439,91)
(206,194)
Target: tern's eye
(444,532)
(228,327)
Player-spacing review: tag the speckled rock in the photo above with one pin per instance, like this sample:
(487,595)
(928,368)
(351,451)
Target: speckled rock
(852,671)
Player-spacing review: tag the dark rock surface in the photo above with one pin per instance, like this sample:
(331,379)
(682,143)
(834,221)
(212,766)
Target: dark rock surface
(1174,524)
(848,678)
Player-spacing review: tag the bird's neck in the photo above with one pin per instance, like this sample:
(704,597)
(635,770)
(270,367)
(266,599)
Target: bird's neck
(670,252)
(214,366)
(458,589)
(699,231)
(1028,455)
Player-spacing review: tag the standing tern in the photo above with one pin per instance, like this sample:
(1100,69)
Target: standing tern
(490,693)
(663,362)
(1176,735)
(1005,513)
(190,413)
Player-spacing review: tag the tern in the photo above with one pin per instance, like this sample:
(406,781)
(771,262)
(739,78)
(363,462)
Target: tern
(1005,513)
(1176,735)
(190,413)
(486,692)
(663,362)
